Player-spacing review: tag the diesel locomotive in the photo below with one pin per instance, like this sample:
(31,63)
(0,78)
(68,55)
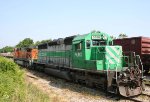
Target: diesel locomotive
(90,59)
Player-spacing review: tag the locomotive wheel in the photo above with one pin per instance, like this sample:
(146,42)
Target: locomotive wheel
(89,83)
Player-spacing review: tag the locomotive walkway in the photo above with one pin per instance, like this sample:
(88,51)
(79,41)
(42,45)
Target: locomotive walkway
(62,91)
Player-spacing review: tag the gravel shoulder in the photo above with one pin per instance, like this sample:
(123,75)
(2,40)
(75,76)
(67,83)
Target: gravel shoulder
(60,90)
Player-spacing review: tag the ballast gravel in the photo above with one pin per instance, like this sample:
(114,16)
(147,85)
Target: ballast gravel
(60,90)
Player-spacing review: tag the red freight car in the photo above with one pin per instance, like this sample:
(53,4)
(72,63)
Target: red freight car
(139,45)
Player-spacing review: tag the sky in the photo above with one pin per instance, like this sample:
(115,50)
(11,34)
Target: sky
(52,19)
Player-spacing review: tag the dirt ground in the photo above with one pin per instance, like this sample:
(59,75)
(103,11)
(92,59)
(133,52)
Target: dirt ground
(60,90)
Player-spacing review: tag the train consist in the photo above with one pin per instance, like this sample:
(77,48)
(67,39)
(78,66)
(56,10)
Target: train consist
(139,45)
(8,54)
(90,59)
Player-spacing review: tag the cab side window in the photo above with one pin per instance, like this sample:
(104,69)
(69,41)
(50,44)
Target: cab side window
(78,46)
(88,44)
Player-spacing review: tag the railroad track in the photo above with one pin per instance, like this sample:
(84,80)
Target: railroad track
(147,82)
(113,97)
(142,100)
(132,99)
(139,98)
(38,75)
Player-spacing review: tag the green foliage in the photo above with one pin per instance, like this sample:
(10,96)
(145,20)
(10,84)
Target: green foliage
(113,37)
(37,43)
(11,79)
(122,35)
(14,88)
(25,43)
(32,93)
(6,49)
(41,42)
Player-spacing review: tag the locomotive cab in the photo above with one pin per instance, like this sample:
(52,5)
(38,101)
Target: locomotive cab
(95,51)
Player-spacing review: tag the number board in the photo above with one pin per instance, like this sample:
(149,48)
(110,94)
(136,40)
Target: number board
(96,37)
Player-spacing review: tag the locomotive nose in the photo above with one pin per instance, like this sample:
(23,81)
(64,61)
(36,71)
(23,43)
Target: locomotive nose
(130,83)
(129,92)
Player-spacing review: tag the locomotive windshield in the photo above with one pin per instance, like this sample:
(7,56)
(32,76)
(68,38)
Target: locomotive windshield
(98,42)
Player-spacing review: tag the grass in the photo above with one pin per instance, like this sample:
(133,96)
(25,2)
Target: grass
(33,94)
(13,87)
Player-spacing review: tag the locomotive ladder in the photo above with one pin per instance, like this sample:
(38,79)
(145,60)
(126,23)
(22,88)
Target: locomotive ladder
(137,61)
(140,63)
(114,91)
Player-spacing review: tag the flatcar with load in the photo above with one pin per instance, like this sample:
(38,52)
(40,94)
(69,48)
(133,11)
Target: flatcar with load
(93,60)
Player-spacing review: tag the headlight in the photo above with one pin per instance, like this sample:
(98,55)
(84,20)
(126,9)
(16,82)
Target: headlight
(124,74)
(104,37)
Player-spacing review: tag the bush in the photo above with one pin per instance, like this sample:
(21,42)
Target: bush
(13,87)
(11,79)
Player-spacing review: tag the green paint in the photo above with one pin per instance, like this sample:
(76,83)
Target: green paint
(93,51)
(101,56)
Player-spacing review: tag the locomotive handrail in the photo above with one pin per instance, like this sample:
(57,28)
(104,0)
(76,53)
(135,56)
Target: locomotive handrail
(107,75)
(141,64)
(116,71)
(130,54)
(127,58)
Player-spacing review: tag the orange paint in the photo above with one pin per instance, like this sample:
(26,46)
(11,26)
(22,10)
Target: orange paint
(28,53)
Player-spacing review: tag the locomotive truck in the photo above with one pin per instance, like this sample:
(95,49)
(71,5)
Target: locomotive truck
(90,59)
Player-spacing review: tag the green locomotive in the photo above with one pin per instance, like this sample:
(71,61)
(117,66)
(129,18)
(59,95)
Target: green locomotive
(89,59)
(92,59)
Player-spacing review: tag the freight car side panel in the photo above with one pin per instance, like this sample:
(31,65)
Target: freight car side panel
(145,53)
(145,45)
(140,45)
(129,45)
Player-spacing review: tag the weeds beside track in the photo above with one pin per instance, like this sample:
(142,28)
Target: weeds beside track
(14,88)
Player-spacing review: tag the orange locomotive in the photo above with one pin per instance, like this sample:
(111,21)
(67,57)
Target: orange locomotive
(25,56)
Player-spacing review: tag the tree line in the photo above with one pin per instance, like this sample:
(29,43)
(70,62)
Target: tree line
(29,42)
